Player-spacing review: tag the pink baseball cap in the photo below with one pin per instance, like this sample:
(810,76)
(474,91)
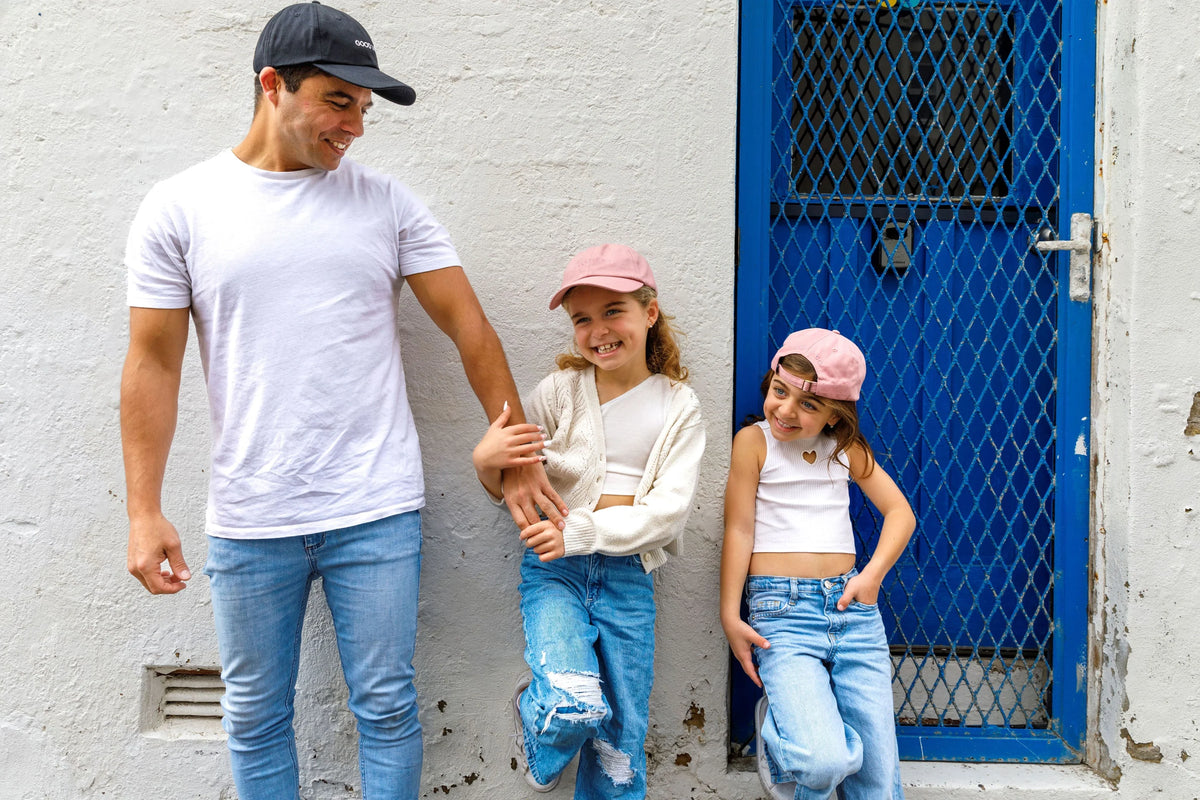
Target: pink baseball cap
(609,266)
(839,363)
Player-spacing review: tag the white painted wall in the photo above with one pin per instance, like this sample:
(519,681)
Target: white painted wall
(540,128)
(1146,512)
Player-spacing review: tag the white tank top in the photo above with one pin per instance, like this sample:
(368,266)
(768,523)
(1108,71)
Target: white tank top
(803,500)
(632,423)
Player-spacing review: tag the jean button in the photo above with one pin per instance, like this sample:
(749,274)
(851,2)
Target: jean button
(828,584)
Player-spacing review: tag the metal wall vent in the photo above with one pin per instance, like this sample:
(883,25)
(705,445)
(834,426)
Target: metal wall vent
(183,702)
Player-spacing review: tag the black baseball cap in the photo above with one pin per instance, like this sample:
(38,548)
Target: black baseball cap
(311,33)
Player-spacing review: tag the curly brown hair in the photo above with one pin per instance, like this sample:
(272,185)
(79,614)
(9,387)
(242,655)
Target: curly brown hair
(662,351)
(846,431)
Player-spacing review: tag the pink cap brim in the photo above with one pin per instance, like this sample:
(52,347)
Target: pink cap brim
(622,285)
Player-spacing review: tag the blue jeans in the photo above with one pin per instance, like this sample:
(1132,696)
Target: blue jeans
(259,594)
(589,641)
(828,677)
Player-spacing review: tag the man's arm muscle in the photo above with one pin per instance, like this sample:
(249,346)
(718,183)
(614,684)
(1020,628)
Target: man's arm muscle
(149,409)
(448,299)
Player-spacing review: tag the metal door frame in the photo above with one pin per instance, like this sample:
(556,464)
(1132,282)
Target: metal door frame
(1064,741)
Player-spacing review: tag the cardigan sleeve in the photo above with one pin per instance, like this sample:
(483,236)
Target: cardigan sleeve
(657,517)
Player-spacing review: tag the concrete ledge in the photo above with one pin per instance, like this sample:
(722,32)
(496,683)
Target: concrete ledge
(939,780)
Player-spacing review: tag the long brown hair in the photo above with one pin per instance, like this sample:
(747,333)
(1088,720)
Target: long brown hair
(662,351)
(845,431)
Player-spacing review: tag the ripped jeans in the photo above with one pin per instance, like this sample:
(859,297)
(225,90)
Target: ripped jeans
(589,640)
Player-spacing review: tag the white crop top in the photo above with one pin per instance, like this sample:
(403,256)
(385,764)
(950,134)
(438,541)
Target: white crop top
(802,506)
(632,423)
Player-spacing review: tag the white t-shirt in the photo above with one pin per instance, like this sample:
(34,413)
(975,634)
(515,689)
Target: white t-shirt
(293,280)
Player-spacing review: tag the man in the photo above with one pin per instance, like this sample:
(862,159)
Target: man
(290,258)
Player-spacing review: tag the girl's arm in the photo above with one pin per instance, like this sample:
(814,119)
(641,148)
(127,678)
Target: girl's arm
(504,446)
(745,463)
(655,520)
(898,525)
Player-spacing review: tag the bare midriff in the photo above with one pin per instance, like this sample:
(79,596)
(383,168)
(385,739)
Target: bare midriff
(610,500)
(801,565)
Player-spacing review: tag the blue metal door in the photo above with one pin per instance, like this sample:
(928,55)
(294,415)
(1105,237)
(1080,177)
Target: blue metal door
(898,161)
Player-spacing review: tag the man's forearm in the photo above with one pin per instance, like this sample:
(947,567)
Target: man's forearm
(487,371)
(149,410)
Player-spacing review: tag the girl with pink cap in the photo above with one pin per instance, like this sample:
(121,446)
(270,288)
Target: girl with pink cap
(814,627)
(625,439)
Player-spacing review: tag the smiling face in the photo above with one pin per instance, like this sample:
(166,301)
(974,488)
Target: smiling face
(610,329)
(316,124)
(793,413)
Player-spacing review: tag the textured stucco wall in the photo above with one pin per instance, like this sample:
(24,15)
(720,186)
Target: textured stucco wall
(540,128)
(1146,515)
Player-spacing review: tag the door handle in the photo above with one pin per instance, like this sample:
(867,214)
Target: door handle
(1080,248)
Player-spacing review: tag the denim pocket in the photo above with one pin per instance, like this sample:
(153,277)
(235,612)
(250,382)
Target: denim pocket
(766,607)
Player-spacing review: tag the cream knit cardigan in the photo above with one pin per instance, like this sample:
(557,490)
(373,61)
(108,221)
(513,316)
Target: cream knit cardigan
(566,403)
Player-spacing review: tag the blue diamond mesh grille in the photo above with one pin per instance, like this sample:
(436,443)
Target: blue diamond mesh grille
(914,161)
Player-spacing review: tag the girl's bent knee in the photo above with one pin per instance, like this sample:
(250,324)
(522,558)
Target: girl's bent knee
(572,708)
(824,771)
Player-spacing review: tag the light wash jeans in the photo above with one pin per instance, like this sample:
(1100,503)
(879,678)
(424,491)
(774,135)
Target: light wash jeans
(828,677)
(589,640)
(259,593)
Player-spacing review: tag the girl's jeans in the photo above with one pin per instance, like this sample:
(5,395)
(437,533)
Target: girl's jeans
(828,677)
(259,594)
(589,640)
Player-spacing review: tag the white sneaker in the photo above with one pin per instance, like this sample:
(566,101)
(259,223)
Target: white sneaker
(519,739)
(776,791)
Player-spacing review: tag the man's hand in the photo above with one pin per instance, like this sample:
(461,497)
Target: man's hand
(151,542)
(544,539)
(527,489)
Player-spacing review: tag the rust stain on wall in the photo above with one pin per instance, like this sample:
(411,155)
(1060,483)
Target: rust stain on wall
(1193,421)
(1142,751)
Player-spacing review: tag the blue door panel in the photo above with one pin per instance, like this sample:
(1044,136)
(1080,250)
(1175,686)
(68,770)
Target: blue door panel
(938,125)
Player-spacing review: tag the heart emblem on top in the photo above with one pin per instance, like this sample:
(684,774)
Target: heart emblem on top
(810,456)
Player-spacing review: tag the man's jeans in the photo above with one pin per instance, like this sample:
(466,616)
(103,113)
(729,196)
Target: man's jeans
(259,594)
(589,640)
(828,678)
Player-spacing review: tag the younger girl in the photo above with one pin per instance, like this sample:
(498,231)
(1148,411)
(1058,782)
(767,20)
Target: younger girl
(625,444)
(814,623)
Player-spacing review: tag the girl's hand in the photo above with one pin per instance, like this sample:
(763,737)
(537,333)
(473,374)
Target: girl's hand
(504,446)
(742,641)
(545,539)
(861,587)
